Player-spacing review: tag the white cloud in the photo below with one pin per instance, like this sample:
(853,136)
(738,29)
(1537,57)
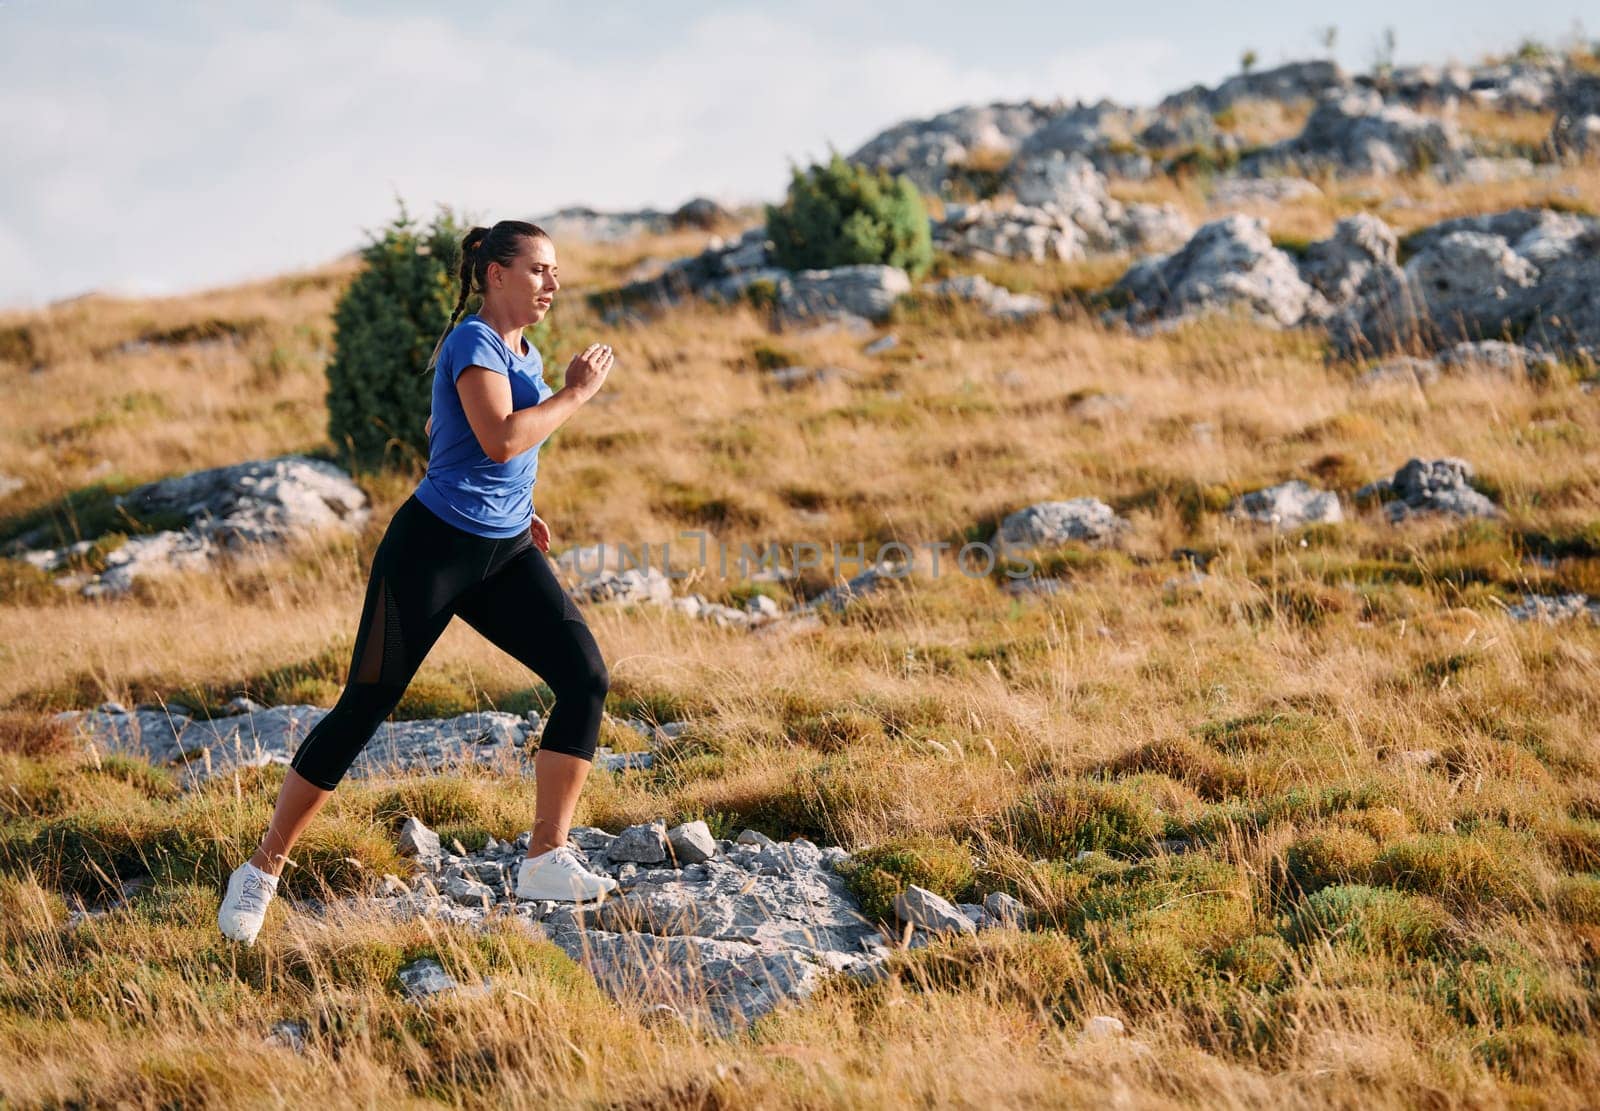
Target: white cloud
(160,161)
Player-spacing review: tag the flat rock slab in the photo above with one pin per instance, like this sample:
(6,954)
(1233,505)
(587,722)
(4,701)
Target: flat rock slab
(203,748)
(720,942)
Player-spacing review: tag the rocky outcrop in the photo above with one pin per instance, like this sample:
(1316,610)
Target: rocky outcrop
(1551,608)
(1243,192)
(925,150)
(865,291)
(1229,265)
(1053,523)
(246,509)
(1061,211)
(1102,133)
(1354,262)
(719,941)
(1430,486)
(200,749)
(726,271)
(996,301)
(590,226)
(1289,505)
(1576,130)
(1356,132)
(1285,84)
(1528,272)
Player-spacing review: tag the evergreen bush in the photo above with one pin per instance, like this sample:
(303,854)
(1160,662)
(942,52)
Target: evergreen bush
(386,325)
(842,214)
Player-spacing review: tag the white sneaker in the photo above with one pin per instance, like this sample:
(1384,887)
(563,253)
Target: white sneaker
(245,905)
(560,875)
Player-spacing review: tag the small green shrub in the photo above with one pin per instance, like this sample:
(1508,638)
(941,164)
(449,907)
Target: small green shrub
(386,325)
(1470,871)
(842,215)
(1330,856)
(1063,818)
(1371,920)
(876,875)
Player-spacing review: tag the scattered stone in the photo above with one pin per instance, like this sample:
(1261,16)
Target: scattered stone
(753,837)
(1242,192)
(1417,757)
(610,761)
(1289,506)
(472,892)
(1005,910)
(1053,523)
(1550,608)
(691,843)
(882,344)
(1431,486)
(419,841)
(868,291)
(1103,1028)
(922,908)
(426,977)
(996,301)
(642,844)
(1403,370)
(290,1034)
(1098,408)
(1496,355)
(868,581)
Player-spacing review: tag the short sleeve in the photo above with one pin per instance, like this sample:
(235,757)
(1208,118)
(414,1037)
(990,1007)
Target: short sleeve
(470,345)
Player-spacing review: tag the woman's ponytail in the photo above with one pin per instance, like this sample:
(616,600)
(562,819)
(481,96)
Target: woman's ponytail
(480,247)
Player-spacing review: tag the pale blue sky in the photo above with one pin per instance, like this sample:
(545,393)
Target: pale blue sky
(158,147)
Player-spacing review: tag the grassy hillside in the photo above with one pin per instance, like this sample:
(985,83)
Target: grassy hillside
(1322,827)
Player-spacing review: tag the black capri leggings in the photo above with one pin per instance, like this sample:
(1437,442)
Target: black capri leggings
(427,571)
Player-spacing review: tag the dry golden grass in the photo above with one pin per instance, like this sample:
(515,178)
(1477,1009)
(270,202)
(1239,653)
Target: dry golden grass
(1348,927)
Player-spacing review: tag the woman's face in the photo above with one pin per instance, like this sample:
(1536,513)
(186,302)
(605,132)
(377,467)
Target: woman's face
(528,286)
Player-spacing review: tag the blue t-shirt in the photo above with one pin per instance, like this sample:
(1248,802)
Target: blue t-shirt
(463,486)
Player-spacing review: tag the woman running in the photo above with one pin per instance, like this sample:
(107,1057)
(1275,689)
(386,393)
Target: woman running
(468,544)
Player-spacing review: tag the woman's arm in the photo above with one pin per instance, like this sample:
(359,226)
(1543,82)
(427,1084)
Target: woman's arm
(503,432)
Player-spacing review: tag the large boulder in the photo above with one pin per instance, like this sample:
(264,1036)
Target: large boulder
(1229,265)
(1356,132)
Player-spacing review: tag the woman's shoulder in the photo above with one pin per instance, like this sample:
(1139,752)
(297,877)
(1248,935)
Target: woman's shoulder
(471,336)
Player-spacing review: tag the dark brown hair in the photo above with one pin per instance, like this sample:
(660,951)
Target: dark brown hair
(480,247)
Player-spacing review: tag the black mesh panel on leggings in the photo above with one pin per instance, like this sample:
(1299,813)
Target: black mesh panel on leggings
(426,571)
